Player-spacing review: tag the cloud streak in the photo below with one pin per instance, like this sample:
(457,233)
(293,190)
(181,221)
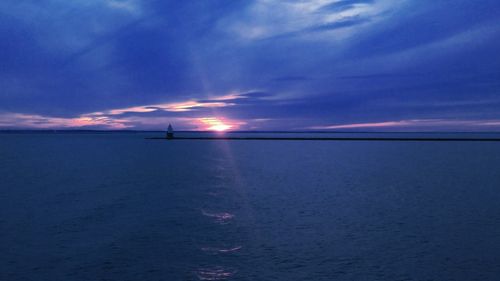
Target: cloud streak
(426,125)
(289,64)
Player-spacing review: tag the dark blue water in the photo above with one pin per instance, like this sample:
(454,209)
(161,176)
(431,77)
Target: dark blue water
(118,207)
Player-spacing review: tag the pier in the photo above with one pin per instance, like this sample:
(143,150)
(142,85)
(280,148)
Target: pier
(400,139)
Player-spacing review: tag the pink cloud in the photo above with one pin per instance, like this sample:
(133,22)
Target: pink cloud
(219,124)
(19,120)
(182,106)
(415,123)
(364,125)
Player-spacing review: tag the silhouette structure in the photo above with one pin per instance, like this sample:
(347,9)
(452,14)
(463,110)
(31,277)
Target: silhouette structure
(170,132)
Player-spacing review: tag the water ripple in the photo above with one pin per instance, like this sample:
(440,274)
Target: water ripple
(222,218)
(214,250)
(215,273)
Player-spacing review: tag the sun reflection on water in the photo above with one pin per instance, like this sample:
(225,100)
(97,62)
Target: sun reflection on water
(214,250)
(215,273)
(222,218)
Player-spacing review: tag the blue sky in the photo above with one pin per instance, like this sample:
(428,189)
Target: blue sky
(250,65)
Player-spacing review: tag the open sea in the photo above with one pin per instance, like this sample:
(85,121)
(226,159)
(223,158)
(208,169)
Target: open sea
(115,206)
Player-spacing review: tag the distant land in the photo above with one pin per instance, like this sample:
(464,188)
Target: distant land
(72,131)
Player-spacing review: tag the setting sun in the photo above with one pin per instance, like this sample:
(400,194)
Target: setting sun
(215,124)
(220,127)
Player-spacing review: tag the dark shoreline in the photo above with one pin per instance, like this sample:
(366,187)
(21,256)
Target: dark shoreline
(330,139)
(22,131)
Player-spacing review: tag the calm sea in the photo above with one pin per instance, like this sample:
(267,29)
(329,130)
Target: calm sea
(119,207)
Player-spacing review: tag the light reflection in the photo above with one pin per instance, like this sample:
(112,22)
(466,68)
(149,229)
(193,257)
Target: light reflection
(213,250)
(215,273)
(221,218)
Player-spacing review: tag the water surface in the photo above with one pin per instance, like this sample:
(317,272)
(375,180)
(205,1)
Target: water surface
(119,207)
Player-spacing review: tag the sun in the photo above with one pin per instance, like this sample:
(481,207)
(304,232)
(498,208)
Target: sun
(220,127)
(215,124)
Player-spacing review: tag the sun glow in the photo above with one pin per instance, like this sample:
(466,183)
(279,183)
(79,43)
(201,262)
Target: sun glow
(215,124)
(220,128)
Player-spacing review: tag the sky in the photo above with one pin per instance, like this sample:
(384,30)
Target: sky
(369,65)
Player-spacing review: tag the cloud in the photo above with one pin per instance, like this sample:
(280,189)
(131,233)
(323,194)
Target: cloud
(25,121)
(293,64)
(277,19)
(184,106)
(143,116)
(419,125)
(343,5)
(344,23)
(130,6)
(209,123)
(365,125)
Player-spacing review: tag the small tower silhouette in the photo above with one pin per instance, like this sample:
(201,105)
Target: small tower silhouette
(170,132)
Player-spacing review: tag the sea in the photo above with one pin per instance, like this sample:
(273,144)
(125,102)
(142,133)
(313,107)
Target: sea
(117,206)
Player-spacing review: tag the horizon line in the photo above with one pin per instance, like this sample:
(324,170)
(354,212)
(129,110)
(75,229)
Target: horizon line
(20,130)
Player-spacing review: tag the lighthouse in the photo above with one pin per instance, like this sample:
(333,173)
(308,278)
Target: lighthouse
(170,132)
